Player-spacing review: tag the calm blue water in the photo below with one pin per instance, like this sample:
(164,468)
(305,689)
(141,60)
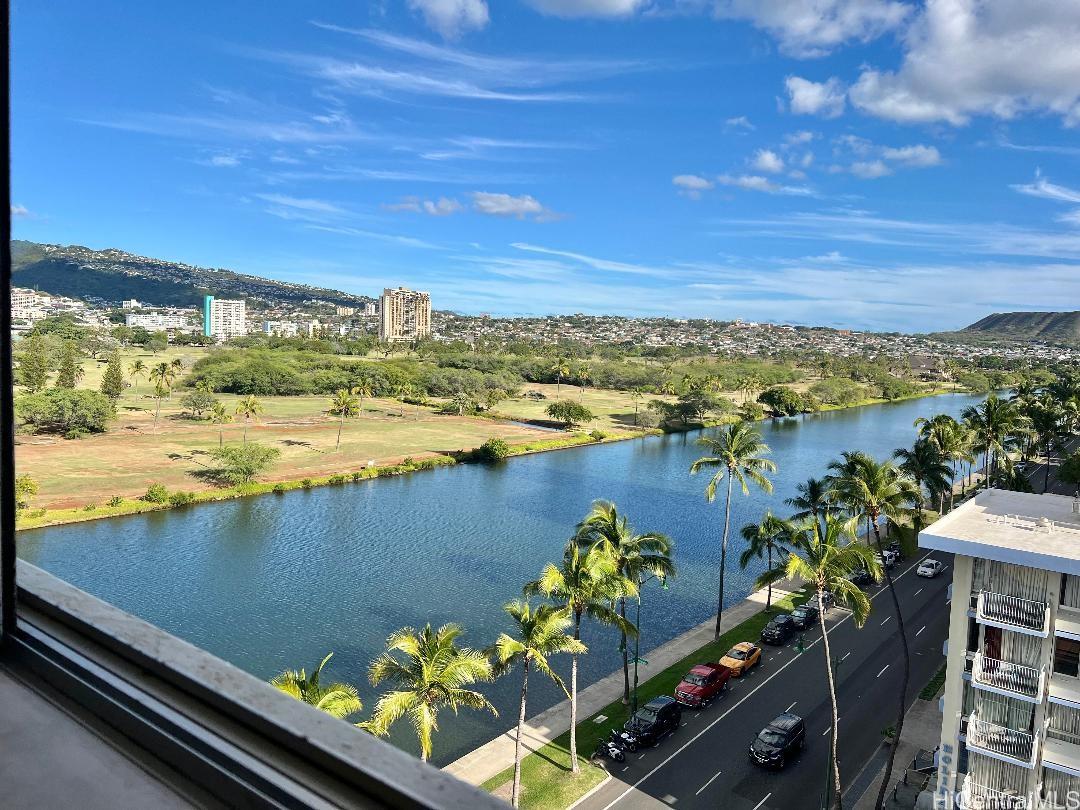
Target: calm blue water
(275,582)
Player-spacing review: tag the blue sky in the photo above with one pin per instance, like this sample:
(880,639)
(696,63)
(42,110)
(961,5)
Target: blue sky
(867,163)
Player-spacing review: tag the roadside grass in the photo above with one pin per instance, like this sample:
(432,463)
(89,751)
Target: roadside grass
(934,685)
(545,774)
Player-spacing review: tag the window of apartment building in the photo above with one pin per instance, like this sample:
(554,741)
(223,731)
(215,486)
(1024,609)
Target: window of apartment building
(1067,657)
(972,635)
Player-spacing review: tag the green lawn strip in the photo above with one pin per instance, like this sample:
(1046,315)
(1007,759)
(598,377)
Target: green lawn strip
(933,686)
(545,774)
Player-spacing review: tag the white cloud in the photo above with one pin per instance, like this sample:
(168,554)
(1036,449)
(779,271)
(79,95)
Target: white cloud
(739,122)
(755,182)
(452,18)
(964,58)
(19,211)
(227,161)
(870,169)
(1042,187)
(800,137)
(766,160)
(815,98)
(1071,218)
(507,205)
(691,185)
(810,28)
(444,206)
(587,8)
(288,207)
(916,156)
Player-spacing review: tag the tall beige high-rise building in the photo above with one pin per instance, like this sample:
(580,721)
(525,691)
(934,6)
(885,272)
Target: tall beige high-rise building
(404,314)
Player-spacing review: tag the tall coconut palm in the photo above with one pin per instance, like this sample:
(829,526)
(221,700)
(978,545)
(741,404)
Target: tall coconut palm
(636,556)
(1047,418)
(587,582)
(996,423)
(823,557)
(537,635)
(874,489)
(737,454)
(584,374)
(923,463)
(812,500)
(343,405)
(136,371)
(248,407)
(770,537)
(560,368)
(163,375)
(360,390)
(219,415)
(432,677)
(336,699)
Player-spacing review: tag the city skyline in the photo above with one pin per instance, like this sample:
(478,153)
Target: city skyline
(715,160)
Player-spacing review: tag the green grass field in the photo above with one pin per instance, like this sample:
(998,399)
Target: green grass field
(614,410)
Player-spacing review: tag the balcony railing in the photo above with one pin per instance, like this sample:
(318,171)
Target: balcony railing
(991,738)
(1013,613)
(980,797)
(1016,679)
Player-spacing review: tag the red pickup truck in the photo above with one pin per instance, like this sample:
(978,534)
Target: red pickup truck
(701,685)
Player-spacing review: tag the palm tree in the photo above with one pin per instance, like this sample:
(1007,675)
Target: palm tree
(587,583)
(219,415)
(538,634)
(336,699)
(560,368)
(584,374)
(360,390)
(342,405)
(771,537)
(249,407)
(926,467)
(824,559)
(432,677)
(1048,426)
(737,451)
(636,556)
(162,375)
(137,370)
(871,488)
(995,422)
(812,500)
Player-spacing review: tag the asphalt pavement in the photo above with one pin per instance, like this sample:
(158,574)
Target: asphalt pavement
(705,764)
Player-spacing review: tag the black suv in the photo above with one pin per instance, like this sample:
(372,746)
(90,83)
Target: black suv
(861,577)
(778,741)
(656,718)
(779,630)
(804,616)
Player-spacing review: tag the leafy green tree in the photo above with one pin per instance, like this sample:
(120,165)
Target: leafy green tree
(824,559)
(587,583)
(336,699)
(1047,418)
(33,363)
(248,407)
(781,400)
(136,371)
(343,405)
(158,342)
(71,413)
(537,635)
(243,464)
(432,677)
(198,402)
(25,490)
(494,449)
(69,370)
(738,454)
(112,381)
(570,412)
(769,538)
(1069,471)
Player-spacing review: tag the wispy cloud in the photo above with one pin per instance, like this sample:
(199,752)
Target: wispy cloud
(20,212)
(1041,187)
(523,206)
(405,241)
(755,182)
(444,206)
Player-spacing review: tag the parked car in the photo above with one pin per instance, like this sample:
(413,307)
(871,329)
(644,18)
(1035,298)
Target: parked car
(861,578)
(805,616)
(822,601)
(896,550)
(779,741)
(701,685)
(886,559)
(779,630)
(660,716)
(741,658)
(929,568)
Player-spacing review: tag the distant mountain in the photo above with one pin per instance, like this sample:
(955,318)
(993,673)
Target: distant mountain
(1048,327)
(113,275)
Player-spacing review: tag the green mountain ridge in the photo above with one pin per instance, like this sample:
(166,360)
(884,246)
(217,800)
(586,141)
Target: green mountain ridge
(114,275)
(1022,327)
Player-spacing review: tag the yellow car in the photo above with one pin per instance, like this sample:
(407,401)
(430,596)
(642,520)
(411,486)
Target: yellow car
(741,657)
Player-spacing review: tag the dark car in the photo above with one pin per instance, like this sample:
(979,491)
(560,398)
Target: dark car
(804,616)
(895,549)
(779,741)
(779,630)
(862,578)
(658,717)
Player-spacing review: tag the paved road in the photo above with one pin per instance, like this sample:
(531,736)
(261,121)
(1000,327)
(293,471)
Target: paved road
(1036,471)
(705,764)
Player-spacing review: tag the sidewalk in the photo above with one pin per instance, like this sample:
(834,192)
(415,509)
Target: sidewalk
(922,732)
(494,757)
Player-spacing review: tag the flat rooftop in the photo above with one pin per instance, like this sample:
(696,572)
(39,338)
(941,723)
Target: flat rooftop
(1038,531)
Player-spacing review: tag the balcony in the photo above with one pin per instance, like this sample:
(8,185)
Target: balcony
(980,797)
(1000,742)
(1061,752)
(1006,678)
(1013,613)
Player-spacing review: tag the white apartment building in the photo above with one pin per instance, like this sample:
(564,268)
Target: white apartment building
(161,321)
(1010,732)
(405,315)
(280,328)
(131,303)
(224,319)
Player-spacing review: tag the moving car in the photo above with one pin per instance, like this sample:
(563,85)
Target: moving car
(741,658)
(822,601)
(929,568)
(660,716)
(779,741)
(805,616)
(700,686)
(779,630)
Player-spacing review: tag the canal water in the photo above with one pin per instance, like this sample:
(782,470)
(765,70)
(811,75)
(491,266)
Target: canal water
(277,581)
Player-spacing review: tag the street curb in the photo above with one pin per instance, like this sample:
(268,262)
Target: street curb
(592,791)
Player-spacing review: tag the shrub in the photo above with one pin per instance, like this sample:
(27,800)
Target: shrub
(25,489)
(494,449)
(90,507)
(570,412)
(156,493)
(115,500)
(242,464)
(751,411)
(66,411)
(278,489)
(357,475)
(336,479)
(307,483)
(182,498)
(408,462)
(598,435)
